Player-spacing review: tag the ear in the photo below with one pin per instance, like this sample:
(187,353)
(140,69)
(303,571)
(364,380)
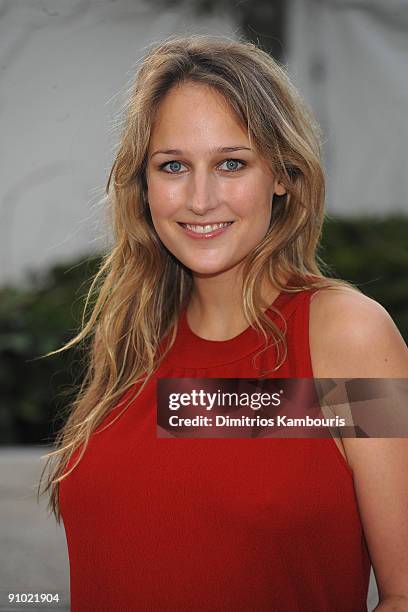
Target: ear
(279,188)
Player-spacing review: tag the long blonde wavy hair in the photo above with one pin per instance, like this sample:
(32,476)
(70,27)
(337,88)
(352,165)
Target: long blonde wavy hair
(140,288)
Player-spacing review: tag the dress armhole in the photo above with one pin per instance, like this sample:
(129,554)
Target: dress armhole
(330,440)
(334,449)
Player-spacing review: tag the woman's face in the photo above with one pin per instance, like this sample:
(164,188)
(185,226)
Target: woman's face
(202,171)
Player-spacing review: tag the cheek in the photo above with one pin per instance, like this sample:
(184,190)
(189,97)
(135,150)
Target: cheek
(253,195)
(164,199)
(255,206)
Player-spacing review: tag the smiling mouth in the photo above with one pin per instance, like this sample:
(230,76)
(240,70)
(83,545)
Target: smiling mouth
(204,229)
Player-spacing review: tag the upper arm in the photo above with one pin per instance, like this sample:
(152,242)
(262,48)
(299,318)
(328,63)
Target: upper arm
(351,336)
(380,468)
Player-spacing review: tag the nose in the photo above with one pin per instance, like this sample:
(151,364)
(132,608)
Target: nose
(202,196)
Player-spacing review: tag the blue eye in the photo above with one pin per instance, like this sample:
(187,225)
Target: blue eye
(171,164)
(233,161)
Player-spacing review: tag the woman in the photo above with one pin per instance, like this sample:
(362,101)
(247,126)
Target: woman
(217,197)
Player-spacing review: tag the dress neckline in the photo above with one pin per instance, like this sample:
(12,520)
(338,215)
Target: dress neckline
(234,339)
(193,351)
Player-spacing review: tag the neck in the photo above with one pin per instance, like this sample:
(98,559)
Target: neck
(215,309)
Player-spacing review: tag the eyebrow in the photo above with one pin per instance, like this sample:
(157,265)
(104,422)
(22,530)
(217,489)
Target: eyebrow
(216,150)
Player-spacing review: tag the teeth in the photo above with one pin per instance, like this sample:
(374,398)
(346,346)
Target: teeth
(203,229)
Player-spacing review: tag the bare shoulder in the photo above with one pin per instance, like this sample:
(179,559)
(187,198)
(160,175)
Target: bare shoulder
(352,335)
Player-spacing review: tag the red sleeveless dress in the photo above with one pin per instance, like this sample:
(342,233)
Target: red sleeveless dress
(214,524)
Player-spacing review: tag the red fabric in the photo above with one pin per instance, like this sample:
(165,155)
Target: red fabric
(214,524)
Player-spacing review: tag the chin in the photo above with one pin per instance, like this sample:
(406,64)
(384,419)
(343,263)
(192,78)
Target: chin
(205,271)
(214,270)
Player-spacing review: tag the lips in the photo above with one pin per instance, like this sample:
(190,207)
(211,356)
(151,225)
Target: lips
(201,228)
(208,230)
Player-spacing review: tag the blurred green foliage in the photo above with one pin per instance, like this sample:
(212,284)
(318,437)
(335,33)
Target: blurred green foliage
(35,393)
(372,253)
